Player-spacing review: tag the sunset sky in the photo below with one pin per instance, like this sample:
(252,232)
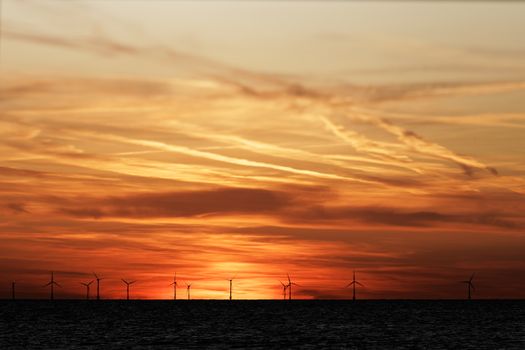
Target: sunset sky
(260,138)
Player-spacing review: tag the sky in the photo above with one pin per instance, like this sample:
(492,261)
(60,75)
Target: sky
(257,139)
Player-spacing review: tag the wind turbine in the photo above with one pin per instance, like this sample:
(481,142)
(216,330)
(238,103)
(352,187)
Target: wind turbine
(52,283)
(353,283)
(188,286)
(98,285)
(284,289)
(290,287)
(231,283)
(174,284)
(87,288)
(127,287)
(469,285)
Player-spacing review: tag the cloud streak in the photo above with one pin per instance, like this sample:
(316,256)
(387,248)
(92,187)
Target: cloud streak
(227,159)
(220,201)
(406,218)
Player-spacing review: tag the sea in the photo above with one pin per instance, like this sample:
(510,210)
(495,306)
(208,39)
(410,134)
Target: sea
(264,324)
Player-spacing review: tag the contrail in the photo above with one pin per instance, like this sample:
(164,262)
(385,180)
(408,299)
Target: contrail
(227,159)
(363,144)
(418,144)
(272,149)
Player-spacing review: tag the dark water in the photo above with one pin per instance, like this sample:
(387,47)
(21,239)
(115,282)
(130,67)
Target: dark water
(263,324)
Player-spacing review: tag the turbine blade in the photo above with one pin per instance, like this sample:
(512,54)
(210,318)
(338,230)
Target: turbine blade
(472,286)
(359,283)
(349,284)
(45,285)
(57,284)
(123,280)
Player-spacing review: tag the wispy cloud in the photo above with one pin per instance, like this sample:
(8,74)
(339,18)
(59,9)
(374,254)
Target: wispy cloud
(220,201)
(17,208)
(407,218)
(418,144)
(227,159)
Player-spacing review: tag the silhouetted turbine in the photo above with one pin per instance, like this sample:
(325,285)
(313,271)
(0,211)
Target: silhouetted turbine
(353,283)
(231,280)
(87,288)
(174,284)
(52,283)
(127,287)
(188,286)
(284,289)
(469,285)
(98,285)
(290,283)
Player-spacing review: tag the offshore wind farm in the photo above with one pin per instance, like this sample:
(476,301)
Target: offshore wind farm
(287,288)
(230,323)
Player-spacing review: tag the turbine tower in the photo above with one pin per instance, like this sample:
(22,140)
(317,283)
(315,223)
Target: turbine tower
(353,283)
(469,285)
(284,289)
(127,287)
(290,283)
(174,284)
(98,285)
(188,286)
(87,288)
(231,284)
(52,283)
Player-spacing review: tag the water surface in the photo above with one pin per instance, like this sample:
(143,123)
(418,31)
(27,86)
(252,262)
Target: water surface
(262,324)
